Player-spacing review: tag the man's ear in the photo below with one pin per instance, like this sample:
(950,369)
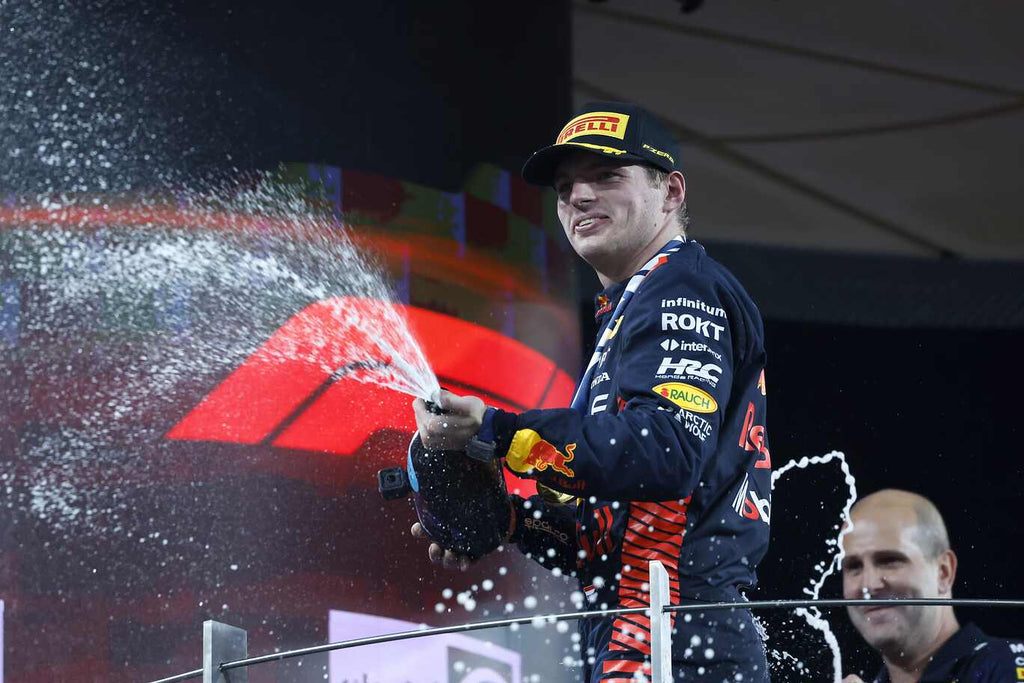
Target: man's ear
(946,562)
(675,185)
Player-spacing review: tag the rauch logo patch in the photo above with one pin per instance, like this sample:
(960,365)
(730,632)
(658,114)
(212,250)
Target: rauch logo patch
(687,396)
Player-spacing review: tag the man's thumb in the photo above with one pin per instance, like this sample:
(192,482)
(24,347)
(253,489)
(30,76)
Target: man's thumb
(444,399)
(454,404)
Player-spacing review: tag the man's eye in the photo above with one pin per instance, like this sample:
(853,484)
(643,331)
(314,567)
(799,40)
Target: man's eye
(607,175)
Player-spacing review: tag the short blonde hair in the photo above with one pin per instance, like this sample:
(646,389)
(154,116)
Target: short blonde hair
(657,177)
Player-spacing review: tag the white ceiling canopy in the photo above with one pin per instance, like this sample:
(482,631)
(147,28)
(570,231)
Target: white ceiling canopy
(873,127)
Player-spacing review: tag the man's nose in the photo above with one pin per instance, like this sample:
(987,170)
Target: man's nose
(582,193)
(872,579)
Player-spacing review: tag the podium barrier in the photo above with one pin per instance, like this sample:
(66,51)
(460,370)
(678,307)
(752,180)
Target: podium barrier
(225,642)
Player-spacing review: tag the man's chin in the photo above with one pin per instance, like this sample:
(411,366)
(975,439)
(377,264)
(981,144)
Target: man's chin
(593,251)
(590,243)
(881,630)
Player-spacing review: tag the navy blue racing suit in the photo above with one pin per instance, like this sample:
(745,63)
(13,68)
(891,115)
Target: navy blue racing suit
(970,656)
(669,461)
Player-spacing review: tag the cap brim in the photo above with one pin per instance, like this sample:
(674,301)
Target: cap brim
(540,168)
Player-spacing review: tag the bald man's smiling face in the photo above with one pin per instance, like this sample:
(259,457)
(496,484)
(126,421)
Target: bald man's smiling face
(884,559)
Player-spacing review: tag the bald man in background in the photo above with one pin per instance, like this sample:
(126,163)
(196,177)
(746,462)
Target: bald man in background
(898,548)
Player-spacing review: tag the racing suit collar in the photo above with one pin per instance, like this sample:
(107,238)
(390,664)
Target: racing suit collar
(959,645)
(604,301)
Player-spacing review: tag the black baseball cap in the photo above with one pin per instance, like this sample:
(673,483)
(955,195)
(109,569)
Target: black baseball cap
(619,130)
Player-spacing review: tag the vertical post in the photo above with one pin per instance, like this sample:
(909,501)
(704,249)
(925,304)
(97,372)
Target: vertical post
(223,643)
(661,624)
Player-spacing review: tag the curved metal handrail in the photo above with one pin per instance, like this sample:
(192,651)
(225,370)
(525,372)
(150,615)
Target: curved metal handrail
(181,677)
(570,616)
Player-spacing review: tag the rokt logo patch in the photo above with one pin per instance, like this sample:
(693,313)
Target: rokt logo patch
(687,396)
(686,322)
(595,123)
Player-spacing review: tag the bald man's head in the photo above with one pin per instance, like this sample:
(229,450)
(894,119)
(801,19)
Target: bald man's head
(930,533)
(898,548)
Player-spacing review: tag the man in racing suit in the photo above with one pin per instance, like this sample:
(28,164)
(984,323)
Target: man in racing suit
(663,454)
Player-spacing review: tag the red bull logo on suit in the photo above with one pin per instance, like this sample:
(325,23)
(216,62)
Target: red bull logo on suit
(530,451)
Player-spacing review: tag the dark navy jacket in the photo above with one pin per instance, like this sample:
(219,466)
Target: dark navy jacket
(970,656)
(670,461)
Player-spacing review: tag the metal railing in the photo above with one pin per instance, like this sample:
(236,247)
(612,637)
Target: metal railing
(225,647)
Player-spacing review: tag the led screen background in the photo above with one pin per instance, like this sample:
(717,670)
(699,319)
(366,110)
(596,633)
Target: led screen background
(247,492)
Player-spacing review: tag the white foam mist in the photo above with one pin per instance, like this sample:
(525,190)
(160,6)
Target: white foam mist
(128,305)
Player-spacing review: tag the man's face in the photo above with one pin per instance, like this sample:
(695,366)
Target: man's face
(883,560)
(610,212)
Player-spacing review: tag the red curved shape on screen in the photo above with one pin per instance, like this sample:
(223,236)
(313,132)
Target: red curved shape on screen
(275,398)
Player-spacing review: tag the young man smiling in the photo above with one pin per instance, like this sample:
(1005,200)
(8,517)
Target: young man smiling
(663,454)
(632,220)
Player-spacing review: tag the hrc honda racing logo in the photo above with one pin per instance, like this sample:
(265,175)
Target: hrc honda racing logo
(688,368)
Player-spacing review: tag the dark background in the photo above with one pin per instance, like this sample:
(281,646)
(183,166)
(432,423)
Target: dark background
(909,366)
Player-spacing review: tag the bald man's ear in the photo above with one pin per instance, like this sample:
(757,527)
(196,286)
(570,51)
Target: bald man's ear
(946,562)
